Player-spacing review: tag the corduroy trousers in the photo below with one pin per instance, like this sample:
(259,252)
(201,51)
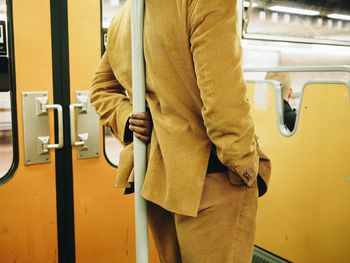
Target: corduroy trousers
(223,231)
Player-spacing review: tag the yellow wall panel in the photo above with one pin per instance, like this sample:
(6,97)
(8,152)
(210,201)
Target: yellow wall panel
(303,216)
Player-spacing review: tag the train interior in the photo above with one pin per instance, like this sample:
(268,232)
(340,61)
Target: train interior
(62,204)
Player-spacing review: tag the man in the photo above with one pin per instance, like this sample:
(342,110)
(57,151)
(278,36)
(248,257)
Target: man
(289,114)
(202,160)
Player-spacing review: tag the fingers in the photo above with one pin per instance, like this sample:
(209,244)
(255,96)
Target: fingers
(145,139)
(141,119)
(144,134)
(141,124)
(140,130)
(141,116)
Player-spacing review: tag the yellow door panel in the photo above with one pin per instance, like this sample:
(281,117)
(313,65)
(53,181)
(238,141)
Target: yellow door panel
(28,227)
(104,218)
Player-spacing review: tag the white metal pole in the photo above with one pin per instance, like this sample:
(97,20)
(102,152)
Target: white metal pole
(139,105)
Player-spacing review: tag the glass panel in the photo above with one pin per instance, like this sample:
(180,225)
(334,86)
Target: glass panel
(6,146)
(113,146)
(109,9)
(307,21)
(262,54)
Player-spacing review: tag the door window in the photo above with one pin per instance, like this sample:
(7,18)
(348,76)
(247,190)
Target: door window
(112,145)
(7,132)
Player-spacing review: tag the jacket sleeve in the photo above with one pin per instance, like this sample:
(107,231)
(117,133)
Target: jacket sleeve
(110,100)
(216,50)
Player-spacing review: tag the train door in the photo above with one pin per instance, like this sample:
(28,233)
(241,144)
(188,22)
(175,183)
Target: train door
(104,224)
(103,216)
(61,204)
(28,221)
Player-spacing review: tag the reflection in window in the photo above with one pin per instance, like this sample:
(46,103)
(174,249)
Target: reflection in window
(6,143)
(313,21)
(268,54)
(113,146)
(6,149)
(109,9)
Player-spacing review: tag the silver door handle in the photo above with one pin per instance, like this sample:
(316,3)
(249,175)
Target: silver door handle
(84,125)
(36,127)
(73,134)
(57,107)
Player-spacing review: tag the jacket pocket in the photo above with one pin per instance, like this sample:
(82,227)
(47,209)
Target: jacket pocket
(264,172)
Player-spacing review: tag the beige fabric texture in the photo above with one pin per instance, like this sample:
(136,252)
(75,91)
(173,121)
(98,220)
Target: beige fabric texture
(222,232)
(195,92)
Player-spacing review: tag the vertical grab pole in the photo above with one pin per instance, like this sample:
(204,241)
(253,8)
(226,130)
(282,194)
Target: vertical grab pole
(139,105)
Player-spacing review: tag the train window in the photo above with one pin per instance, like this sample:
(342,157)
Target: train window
(112,146)
(264,56)
(312,21)
(7,128)
(109,9)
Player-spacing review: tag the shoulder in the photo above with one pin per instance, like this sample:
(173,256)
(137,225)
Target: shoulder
(218,10)
(119,31)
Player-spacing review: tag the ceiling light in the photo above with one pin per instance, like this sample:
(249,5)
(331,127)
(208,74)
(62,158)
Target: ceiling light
(286,18)
(339,16)
(330,23)
(274,17)
(114,2)
(3,7)
(291,10)
(339,25)
(246,4)
(106,22)
(262,15)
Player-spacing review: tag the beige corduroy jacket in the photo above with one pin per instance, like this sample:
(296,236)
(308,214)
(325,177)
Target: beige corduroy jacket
(195,92)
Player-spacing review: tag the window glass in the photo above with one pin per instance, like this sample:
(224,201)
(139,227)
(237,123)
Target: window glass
(6,141)
(6,148)
(299,20)
(112,145)
(266,54)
